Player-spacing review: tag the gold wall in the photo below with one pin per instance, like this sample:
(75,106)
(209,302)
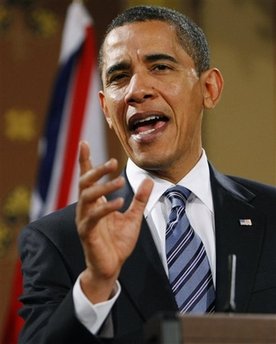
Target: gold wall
(240,134)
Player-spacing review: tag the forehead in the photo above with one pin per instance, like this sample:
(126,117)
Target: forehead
(140,38)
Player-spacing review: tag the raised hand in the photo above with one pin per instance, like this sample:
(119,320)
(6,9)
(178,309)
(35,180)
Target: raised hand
(108,236)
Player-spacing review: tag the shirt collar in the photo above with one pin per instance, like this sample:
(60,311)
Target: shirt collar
(197,181)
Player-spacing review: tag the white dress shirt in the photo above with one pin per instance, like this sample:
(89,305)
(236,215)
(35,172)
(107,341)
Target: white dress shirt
(200,212)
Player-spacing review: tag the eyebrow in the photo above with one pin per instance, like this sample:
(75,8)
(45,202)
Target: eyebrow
(117,67)
(157,57)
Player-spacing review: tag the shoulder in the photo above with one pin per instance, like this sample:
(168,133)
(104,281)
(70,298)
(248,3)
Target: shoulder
(254,193)
(53,238)
(241,186)
(57,227)
(58,219)
(256,187)
(264,195)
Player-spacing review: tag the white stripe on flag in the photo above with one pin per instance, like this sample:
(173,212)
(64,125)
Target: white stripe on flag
(77,19)
(93,131)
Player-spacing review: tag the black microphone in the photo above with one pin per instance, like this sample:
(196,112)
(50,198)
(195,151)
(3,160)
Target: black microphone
(230,306)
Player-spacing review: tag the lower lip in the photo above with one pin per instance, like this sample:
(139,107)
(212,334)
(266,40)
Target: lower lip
(150,135)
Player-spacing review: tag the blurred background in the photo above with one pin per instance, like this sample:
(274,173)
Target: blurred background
(239,135)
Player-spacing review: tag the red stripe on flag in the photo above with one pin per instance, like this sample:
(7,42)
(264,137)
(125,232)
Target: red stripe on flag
(14,323)
(83,78)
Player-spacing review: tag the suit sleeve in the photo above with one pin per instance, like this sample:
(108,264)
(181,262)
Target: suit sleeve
(48,308)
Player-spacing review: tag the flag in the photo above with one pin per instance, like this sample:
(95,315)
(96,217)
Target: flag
(74,114)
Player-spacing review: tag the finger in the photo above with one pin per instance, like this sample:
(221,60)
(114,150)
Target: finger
(141,198)
(84,157)
(95,174)
(94,215)
(97,192)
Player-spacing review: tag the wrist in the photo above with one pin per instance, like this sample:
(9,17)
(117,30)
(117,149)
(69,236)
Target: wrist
(97,289)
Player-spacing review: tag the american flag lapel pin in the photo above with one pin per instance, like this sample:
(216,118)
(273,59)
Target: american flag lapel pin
(246,222)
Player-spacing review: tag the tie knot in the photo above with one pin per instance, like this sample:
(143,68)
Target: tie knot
(177,195)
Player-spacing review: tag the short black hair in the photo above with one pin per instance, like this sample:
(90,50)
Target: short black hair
(189,34)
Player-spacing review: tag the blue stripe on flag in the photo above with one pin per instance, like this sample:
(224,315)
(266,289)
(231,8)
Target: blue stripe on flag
(53,126)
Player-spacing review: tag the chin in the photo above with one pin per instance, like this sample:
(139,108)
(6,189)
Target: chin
(151,162)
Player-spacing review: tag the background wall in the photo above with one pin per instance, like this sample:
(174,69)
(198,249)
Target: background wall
(239,135)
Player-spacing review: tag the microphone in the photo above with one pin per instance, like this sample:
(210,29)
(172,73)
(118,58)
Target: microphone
(230,306)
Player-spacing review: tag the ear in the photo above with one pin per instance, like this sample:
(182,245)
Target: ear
(212,82)
(105,109)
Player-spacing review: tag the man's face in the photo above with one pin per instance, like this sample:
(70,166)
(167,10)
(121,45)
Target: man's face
(152,97)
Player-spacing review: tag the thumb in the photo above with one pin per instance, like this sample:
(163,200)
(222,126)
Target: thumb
(141,198)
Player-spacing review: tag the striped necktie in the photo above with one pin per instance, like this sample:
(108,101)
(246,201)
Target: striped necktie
(189,271)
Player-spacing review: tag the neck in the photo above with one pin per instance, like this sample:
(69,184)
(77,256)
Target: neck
(175,172)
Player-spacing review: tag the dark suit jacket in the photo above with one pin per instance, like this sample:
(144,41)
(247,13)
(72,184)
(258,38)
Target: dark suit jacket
(52,259)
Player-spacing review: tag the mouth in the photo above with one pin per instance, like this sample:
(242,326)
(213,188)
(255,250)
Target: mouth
(145,127)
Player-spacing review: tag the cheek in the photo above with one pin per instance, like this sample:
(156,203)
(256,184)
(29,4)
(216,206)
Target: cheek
(178,96)
(115,110)
(183,90)
(115,99)
(172,92)
(117,119)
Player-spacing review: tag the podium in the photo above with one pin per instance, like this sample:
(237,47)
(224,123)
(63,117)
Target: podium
(218,328)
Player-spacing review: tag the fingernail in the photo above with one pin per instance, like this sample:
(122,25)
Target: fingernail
(110,162)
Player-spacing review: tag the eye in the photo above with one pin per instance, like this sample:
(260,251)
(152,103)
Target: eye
(160,67)
(116,78)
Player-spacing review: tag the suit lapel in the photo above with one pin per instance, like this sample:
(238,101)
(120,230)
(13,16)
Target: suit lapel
(143,272)
(239,230)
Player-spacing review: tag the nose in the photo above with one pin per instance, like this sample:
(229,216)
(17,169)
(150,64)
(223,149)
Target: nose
(139,89)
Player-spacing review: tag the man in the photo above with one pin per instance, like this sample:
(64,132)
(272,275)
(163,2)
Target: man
(107,275)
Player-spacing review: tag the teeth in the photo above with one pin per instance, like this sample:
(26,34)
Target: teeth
(152,118)
(148,119)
